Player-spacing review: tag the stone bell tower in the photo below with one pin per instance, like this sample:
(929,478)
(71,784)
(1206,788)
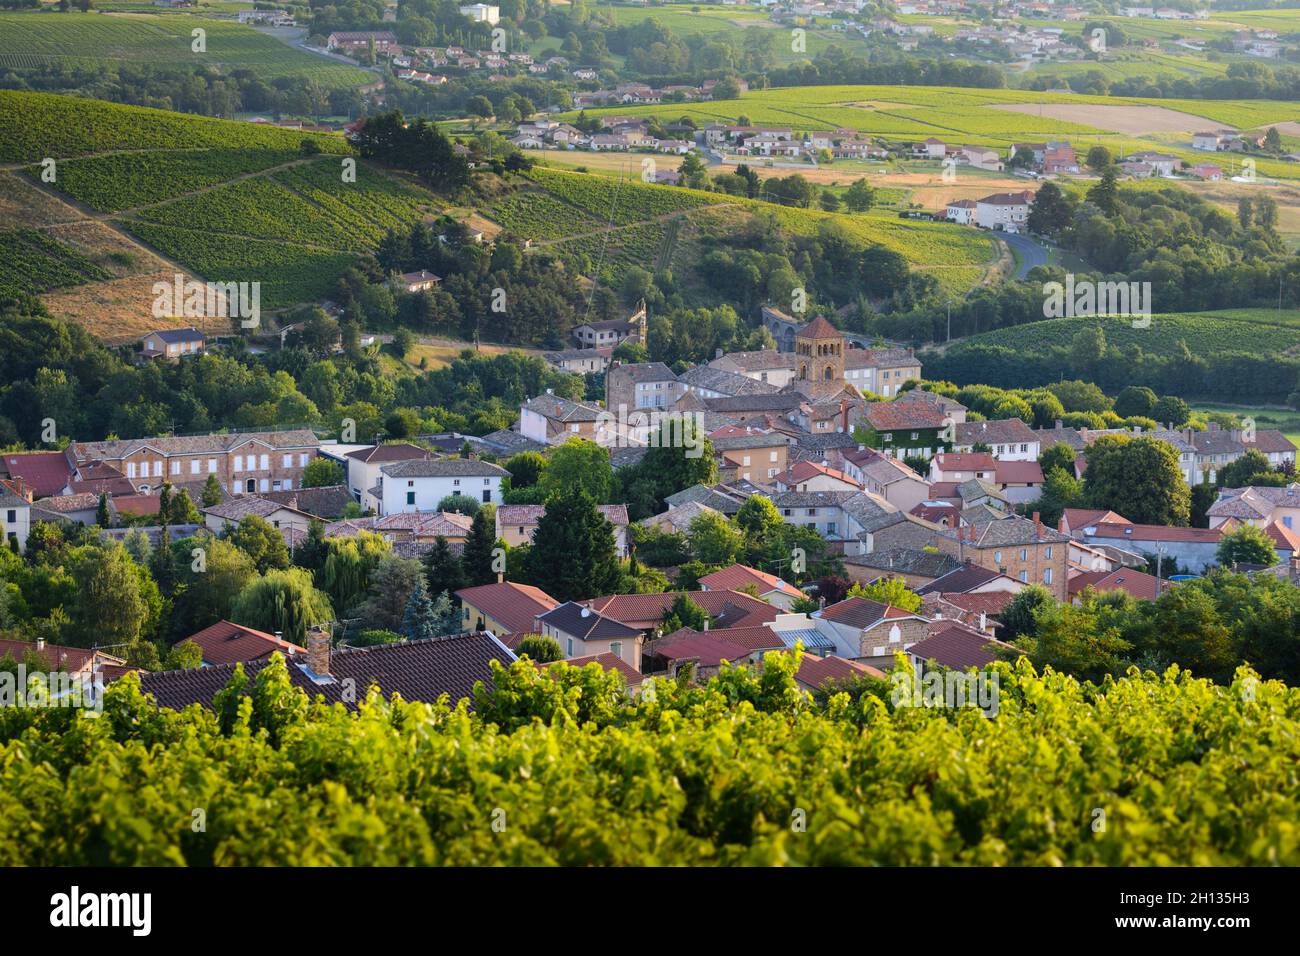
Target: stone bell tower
(819,350)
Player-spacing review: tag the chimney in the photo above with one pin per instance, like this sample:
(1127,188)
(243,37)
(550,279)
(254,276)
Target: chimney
(983,621)
(1059,424)
(40,641)
(706,624)
(318,651)
(1038,526)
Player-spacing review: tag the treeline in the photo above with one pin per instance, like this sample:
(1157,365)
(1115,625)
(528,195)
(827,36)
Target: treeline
(203,90)
(833,66)
(416,146)
(1241,81)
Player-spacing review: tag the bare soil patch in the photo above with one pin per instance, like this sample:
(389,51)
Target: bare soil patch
(1133,120)
(107,248)
(116,311)
(22,205)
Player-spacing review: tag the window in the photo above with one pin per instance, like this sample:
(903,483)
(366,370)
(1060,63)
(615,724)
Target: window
(1024,576)
(176,468)
(410,497)
(997,557)
(455,482)
(11,516)
(830,527)
(157,469)
(1286,522)
(487,495)
(194,467)
(1024,554)
(487,481)
(616,648)
(570,651)
(773,457)
(1047,575)
(130,469)
(275,485)
(915,436)
(239,463)
(266,462)
(288,461)
(745,460)
(302,460)
(1049,552)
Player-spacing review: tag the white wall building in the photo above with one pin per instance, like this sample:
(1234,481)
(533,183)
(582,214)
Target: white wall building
(482,13)
(407,486)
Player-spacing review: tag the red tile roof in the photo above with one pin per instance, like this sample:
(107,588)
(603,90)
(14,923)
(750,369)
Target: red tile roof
(728,608)
(817,671)
(711,648)
(607,661)
(137,504)
(968,461)
(75,659)
(957,647)
(890,416)
(1156,532)
(1140,585)
(226,642)
(861,612)
(45,472)
(991,603)
(1018,473)
(739,576)
(513,605)
(1284,539)
(804,470)
(819,328)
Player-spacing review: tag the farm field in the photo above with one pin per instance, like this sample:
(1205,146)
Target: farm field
(35,126)
(32,262)
(704,20)
(80,40)
(1206,333)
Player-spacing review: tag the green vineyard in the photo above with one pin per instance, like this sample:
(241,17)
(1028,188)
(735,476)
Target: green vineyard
(31,262)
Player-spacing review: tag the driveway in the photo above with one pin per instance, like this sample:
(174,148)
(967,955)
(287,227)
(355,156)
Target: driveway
(1030,252)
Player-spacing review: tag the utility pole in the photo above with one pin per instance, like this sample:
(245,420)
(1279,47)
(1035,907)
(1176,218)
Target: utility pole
(949,320)
(1160,559)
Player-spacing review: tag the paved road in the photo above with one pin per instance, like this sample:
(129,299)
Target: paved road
(1031,253)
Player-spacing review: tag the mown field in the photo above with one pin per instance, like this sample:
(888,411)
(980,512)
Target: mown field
(30,40)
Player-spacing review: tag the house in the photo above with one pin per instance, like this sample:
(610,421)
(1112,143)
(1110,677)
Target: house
(958,648)
(172,344)
(612,332)
(1136,170)
(482,13)
(1004,212)
(553,420)
(862,628)
(751,454)
(1210,172)
(363,466)
(887,477)
(961,467)
(1162,164)
(1018,481)
(421,484)
(645,612)
(417,670)
(1059,159)
(233,510)
(930,149)
(85,662)
(582,632)
(421,281)
(981,157)
(764,365)
(1193,548)
(1018,547)
(243,463)
(1213,141)
(906,429)
(1008,439)
(516,524)
(882,371)
(39,474)
(79,507)
(816,673)
(970,578)
(814,476)
(644,385)
(384,41)
(915,566)
(1137,584)
(15,519)
(580,361)
(504,607)
(739,577)
(608,662)
(960,211)
(1258,506)
(699,654)
(228,643)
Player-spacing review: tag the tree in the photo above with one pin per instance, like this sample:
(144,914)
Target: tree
(320,472)
(888,590)
(1246,545)
(1050,212)
(212,493)
(1171,411)
(479,106)
(1057,455)
(403,342)
(685,613)
(579,463)
(464,504)
(480,544)
(421,617)
(715,539)
(392,584)
(573,554)
(261,541)
(692,170)
(1246,470)
(1018,618)
(526,469)
(109,607)
(1105,193)
(1135,400)
(860,196)
(1099,158)
(103,517)
(283,602)
(1074,640)
(726,89)
(1273,140)
(540,649)
(758,519)
(1138,477)
(206,590)
(442,568)
(185,656)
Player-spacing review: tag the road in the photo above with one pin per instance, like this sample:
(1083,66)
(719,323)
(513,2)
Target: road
(1030,252)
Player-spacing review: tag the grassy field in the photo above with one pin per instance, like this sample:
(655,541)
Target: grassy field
(1285,420)
(86,40)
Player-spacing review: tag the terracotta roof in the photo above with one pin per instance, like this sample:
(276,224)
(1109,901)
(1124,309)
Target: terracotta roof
(74,659)
(418,670)
(137,504)
(399,451)
(805,470)
(710,648)
(738,576)
(443,468)
(45,472)
(1077,518)
(968,461)
(508,515)
(957,647)
(890,416)
(194,444)
(818,671)
(1005,431)
(966,578)
(325,502)
(1284,539)
(860,612)
(63,504)
(1018,472)
(608,662)
(727,608)
(819,328)
(1137,583)
(514,605)
(226,642)
(760,638)
(1155,532)
(991,603)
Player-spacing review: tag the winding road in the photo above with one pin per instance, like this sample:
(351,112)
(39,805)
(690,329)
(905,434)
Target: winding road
(1030,252)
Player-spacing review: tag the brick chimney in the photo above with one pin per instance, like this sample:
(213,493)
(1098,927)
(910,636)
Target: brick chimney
(1038,526)
(318,651)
